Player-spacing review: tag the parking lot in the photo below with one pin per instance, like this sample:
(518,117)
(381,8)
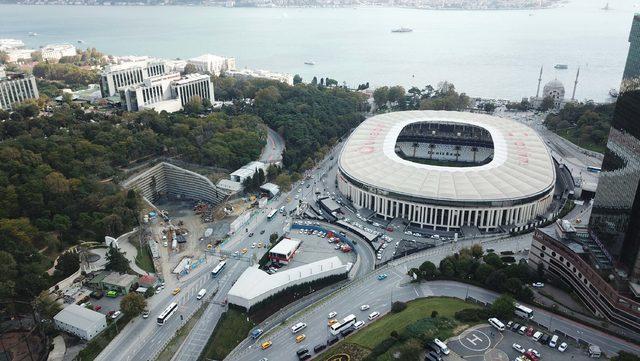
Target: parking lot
(314,248)
(487,343)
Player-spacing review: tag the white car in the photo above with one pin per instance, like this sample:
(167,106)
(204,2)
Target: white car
(373,315)
(535,352)
(563,347)
(253,245)
(364,307)
(518,348)
(379,257)
(115,315)
(537,284)
(332,314)
(358,325)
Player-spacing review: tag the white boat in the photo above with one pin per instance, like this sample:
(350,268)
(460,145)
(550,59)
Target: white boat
(402,30)
(31,33)
(309,63)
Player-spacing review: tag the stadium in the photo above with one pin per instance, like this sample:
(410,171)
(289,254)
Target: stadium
(446,170)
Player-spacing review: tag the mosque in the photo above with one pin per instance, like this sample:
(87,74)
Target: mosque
(554,89)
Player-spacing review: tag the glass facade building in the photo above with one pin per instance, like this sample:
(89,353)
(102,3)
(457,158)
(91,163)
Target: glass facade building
(615,219)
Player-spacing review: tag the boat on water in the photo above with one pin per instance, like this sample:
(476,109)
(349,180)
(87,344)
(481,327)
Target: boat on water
(613,92)
(402,30)
(31,33)
(606,7)
(80,41)
(309,63)
(561,66)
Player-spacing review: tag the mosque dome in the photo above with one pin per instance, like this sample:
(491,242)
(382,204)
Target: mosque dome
(553,89)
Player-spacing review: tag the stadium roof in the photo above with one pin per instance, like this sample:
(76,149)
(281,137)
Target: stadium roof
(521,166)
(254,282)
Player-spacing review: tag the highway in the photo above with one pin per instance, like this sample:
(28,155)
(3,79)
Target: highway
(397,287)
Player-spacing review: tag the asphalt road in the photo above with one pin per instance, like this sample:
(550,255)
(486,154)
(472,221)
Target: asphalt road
(380,294)
(272,151)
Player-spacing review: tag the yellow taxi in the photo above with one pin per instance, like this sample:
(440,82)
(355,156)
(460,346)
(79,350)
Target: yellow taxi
(265,345)
(300,338)
(260,244)
(332,322)
(176,291)
(244,250)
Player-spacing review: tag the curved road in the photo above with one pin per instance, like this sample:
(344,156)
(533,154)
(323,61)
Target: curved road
(272,151)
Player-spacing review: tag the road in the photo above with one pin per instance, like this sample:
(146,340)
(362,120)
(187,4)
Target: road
(272,151)
(397,287)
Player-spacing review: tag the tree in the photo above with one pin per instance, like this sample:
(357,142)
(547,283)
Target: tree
(546,104)
(447,268)
(434,314)
(194,105)
(297,79)
(46,306)
(267,97)
(273,238)
(625,356)
(132,304)
(68,263)
(190,69)
(314,81)
(503,307)
(116,261)
(476,251)
(8,273)
(396,94)
(381,96)
(398,306)
(488,107)
(429,270)
(494,260)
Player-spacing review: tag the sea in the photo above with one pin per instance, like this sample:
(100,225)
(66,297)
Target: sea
(487,53)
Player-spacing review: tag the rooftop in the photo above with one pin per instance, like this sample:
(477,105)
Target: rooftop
(285,246)
(120,279)
(78,316)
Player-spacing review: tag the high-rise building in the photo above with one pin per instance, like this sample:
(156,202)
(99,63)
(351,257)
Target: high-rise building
(615,219)
(15,88)
(118,76)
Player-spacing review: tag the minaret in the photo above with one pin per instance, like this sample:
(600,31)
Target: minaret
(575,85)
(539,81)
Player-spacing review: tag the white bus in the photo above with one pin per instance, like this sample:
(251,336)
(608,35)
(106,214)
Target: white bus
(347,322)
(496,323)
(272,214)
(216,271)
(524,312)
(168,312)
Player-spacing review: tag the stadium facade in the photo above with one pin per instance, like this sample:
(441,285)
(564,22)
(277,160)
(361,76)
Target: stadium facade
(445,170)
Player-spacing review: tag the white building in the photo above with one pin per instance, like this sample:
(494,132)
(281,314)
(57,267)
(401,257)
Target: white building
(255,285)
(117,76)
(3,74)
(16,89)
(213,64)
(80,321)
(17,55)
(7,44)
(193,85)
(263,74)
(57,51)
(246,171)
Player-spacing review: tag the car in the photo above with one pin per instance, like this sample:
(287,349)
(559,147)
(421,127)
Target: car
(535,352)
(256,333)
(389,229)
(253,245)
(112,294)
(318,348)
(373,315)
(544,339)
(563,347)
(518,348)
(536,336)
(531,356)
(509,324)
(97,308)
(515,327)
(332,340)
(537,284)
(358,325)
(262,232)
(260,244)
(382,276)
(165,244)
(300,338)
(176,291)
(236,254)
(379,257)
(530,331)
(115,315)
(364,307)
(522,330)
(434,356)
(332,314)
(304,357)
(145,314)
(265,345)
(346,332)
(332,322)
(264,359)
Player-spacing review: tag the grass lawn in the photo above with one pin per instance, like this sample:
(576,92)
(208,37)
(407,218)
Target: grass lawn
(379,330)
(143,258)
(589,146)
(232,328)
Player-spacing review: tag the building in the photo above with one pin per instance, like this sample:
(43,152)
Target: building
(16,88)
(114,281)
(261,74)
(167,92)
(80,321)
(18,55)
(54,52)
(445,170)
(213,64)
(601,262)
(8,44)
(117,76)
(284,251)
(247,171)
(270,188)
(255,285)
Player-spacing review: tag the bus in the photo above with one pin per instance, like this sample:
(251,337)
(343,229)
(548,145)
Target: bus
(168,312)
(272,214)
(216,271)
(524,312)
(347,322)
(594,169)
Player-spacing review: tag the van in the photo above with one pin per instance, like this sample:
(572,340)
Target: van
(554,341)
(201,293)
(497,324)
(298,327)
(442,345)
(331,341)
(319,348)
(594,351)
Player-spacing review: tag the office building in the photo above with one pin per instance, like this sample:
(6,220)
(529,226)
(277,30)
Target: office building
(80,321)
(601,262)
(117,76)
(7,44)
(193,85)
(18,55)
(54,52)
(213,64)
(261,74)
(16,88)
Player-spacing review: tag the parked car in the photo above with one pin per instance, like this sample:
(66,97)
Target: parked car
(431,346)
(518,348)
(522,330)
(332,340)
(358,325)
(332,322)
(115,315)
(537,284)
(265,345)
(563,347)
(535,352)
(537,335)
(530,331)
(145,314)
(515,327)
(319,348)
(373,315)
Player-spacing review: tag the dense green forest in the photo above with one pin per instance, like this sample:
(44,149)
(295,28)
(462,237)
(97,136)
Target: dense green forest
(585,124)
(55,176)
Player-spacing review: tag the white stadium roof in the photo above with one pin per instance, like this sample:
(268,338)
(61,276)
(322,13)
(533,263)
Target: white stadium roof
(521,166)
